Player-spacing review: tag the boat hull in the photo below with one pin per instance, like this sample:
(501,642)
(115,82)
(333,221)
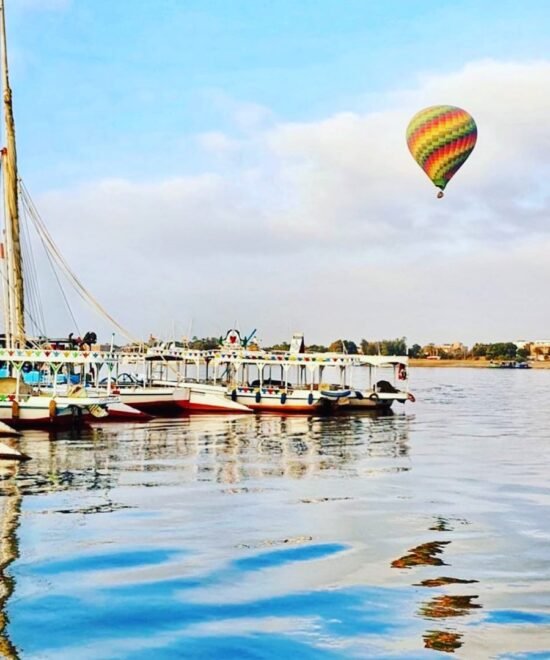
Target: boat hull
(211,399)
(37,414)
(155,400)
(121,412)
(368,400)
(281,401)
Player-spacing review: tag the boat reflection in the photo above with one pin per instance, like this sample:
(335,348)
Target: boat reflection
(229,450)
(442,606)
(239,453)
(10,511)
(442,640)
(239,449)
(439,582)
(425,554)
(58,463)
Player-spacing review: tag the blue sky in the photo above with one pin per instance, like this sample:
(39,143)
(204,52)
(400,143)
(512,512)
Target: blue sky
(117,81)
(252,115)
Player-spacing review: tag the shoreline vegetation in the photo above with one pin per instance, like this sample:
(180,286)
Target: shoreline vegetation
(432,355)
(468,362)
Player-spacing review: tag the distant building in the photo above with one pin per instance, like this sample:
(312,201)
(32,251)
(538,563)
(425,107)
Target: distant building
(297,344)
(457,348)
(539,349)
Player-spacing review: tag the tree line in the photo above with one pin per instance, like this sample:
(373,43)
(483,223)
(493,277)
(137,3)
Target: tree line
(497,351)
(382,347)
(398,346)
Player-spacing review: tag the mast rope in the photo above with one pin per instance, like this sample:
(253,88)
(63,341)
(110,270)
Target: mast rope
(62,263)
(8,287)
(53,269)
(33,289)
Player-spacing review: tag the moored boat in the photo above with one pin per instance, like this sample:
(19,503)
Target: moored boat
(380,393)
(292,381)
(41,391)
(207,397)
(509,364)
(163,399)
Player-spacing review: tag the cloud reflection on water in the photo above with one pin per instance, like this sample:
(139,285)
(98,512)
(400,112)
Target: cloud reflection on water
(218,536)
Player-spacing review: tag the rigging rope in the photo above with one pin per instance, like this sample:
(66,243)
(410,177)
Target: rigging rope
(56,254)
(32,289)
(54,271)
(8,288)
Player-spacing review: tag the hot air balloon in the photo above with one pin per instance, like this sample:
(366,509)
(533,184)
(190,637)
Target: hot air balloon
(440,139)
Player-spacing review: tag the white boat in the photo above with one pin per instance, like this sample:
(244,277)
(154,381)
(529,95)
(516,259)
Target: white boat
(284,398)
(286,382)
(387,383)
(234,379)
(205,397)
(153,399)
(22,405)
(163,367)
(139,389)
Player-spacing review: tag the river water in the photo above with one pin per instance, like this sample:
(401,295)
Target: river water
(412,535)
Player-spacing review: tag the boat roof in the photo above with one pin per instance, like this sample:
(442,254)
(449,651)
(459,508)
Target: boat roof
(241,355)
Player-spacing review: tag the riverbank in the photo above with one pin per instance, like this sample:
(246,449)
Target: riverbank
(422,362)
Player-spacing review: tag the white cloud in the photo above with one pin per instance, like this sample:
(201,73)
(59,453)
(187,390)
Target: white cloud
(321,224)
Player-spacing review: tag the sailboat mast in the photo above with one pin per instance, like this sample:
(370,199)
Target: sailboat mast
(11,183)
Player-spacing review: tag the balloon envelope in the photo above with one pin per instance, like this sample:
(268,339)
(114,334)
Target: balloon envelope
(440,139)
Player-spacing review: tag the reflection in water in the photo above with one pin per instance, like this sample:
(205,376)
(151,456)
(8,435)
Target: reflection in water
(228,450)
(10,502)
(442,640)
(266,536)
(294,540)
(442,607)
(446,524)
(439,582)
(59,465)
(239,540)
(172,479)
(425,554)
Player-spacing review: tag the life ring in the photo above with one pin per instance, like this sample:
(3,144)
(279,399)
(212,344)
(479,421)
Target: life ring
(402,372)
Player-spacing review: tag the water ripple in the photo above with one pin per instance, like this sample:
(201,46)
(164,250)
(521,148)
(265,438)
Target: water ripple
(411,535)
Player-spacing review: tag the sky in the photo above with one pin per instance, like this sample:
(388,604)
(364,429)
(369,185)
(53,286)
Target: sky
(202,163)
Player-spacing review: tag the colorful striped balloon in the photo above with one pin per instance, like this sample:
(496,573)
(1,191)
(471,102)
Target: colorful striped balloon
(440,139)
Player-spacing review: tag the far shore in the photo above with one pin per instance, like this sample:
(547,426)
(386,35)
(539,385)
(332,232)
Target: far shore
(422,362)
